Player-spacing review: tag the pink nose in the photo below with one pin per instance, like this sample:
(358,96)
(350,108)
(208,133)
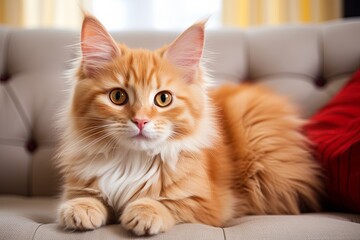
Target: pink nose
(140,123)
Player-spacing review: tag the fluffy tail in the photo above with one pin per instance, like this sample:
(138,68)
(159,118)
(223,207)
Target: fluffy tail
(275,172)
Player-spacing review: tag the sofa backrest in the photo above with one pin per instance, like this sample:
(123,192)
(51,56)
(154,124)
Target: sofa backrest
(306,63)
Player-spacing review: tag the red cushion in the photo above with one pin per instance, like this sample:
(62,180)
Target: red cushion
(335,131)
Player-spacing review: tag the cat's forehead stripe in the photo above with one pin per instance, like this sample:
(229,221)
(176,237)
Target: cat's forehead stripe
(133,75)
(151,75)
(141,69)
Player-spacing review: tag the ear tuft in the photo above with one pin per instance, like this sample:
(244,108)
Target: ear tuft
(186,51)
(97,46)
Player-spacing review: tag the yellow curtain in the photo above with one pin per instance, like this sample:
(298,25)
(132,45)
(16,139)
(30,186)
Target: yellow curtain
(11,12)
(245,13)
(43,13)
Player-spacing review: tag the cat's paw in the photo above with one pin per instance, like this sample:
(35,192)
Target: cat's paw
(82,214)
(146,217)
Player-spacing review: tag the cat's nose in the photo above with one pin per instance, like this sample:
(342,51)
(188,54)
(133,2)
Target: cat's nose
(140,123)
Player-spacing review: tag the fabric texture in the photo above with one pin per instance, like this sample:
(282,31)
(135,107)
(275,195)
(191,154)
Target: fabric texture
(305,226)
(335,131)
(17,227)
(34,218)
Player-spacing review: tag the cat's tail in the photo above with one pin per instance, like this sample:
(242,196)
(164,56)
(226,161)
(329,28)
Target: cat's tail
(275,171)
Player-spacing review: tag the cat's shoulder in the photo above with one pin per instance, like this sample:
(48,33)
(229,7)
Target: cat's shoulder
(229,91)
(249,96)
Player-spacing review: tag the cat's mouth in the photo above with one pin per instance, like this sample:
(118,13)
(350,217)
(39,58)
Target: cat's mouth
(141,136)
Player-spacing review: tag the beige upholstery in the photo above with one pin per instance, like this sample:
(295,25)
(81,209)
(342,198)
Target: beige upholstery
(35,217)
(309,64)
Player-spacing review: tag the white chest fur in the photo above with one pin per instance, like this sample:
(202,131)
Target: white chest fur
(122,175)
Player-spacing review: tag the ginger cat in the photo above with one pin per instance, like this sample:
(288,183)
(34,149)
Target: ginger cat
(147,144)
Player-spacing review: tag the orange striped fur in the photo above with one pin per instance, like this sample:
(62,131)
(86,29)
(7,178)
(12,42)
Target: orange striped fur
(208,157)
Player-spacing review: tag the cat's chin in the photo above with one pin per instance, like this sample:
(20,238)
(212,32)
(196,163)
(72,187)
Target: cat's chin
(140,143)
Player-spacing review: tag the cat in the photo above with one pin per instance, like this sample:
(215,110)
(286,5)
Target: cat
(147,143)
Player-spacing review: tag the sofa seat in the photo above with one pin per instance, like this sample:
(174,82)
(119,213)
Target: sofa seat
(33,218)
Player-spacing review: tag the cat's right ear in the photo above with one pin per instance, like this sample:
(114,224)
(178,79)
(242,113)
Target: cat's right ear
(186,51)
(97,46)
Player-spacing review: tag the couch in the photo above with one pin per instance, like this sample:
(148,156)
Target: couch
(307,63)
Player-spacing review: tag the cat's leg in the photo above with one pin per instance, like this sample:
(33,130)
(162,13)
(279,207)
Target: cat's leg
(146,216)
(83,213)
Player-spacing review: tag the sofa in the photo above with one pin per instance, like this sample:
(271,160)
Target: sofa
(306,63)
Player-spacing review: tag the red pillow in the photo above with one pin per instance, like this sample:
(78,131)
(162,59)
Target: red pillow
(335,131)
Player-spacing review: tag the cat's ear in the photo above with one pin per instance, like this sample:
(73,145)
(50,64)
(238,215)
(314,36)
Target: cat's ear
(186,51)
(97,46)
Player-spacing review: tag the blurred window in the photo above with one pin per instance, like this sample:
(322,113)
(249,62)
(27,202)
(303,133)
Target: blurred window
(156,14)
(167,14)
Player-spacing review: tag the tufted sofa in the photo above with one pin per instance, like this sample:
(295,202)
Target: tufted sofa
(309,64)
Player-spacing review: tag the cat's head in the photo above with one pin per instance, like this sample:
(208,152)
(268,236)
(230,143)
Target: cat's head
(135,98)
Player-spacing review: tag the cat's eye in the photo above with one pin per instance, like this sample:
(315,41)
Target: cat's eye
(118,96)
(163,99)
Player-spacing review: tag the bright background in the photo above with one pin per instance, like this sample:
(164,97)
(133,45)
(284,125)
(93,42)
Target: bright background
(170,14)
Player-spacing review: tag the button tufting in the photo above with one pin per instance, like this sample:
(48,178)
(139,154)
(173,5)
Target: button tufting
(31,145)
(320,82)
(4,77)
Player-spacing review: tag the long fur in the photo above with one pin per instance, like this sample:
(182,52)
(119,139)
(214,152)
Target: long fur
(209,157)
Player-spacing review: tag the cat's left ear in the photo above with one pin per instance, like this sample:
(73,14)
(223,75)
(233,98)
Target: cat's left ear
(186,51)
(97,46)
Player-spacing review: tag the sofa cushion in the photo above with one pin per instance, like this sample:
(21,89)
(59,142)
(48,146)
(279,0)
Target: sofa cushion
(17,227)
(38,209)
(335,131)
(305,226)
(342,60)
(34,218)
(33,63)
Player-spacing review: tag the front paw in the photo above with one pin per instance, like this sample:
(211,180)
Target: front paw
(146,217)
(82,214)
